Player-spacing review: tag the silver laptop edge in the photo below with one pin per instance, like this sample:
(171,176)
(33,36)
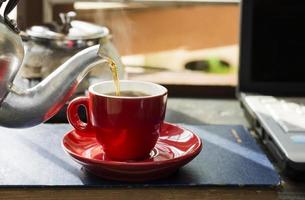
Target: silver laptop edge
(292,149)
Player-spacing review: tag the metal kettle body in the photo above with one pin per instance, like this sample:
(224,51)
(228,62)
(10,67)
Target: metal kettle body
(49,45)
(30,107)
(11,56)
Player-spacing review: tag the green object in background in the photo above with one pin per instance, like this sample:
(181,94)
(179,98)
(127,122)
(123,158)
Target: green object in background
(218,66)
(211,65)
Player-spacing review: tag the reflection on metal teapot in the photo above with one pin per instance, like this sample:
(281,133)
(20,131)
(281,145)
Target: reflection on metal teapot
(29,107)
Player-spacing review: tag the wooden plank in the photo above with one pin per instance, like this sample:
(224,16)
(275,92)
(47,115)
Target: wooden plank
(139,194)
(201,91)
(159,29)
(152,1)
(29,13)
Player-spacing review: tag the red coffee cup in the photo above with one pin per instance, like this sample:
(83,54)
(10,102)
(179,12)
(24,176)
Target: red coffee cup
(127,127)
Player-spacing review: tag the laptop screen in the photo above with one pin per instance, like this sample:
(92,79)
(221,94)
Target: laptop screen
(273,45)
(279,41)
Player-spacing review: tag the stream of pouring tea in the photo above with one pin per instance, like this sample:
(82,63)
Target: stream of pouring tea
(113,69)
(115,76)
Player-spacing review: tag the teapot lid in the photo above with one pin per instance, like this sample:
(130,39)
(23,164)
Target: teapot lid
(72,34)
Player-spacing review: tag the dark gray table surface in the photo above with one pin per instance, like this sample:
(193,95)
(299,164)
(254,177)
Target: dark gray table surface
(204,111)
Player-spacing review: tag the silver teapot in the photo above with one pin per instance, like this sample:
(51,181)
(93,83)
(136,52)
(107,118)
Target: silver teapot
(21,107)
(49,45)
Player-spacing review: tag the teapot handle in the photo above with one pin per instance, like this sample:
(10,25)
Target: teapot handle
(1,2)
(9,7)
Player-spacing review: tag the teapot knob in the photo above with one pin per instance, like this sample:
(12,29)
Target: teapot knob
(66,19)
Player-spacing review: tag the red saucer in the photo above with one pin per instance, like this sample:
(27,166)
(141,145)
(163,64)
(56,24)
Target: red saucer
(176,147)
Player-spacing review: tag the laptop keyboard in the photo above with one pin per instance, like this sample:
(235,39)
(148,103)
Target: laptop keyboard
(288,114)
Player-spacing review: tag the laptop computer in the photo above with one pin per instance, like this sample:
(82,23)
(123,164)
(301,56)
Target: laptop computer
(272,76)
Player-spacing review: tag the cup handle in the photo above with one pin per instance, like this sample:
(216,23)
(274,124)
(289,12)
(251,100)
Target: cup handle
(73,117)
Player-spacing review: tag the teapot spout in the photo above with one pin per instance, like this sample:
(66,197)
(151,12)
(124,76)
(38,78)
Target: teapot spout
(27,108)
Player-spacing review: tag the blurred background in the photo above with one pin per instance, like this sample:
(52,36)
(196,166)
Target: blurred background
(175,43)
